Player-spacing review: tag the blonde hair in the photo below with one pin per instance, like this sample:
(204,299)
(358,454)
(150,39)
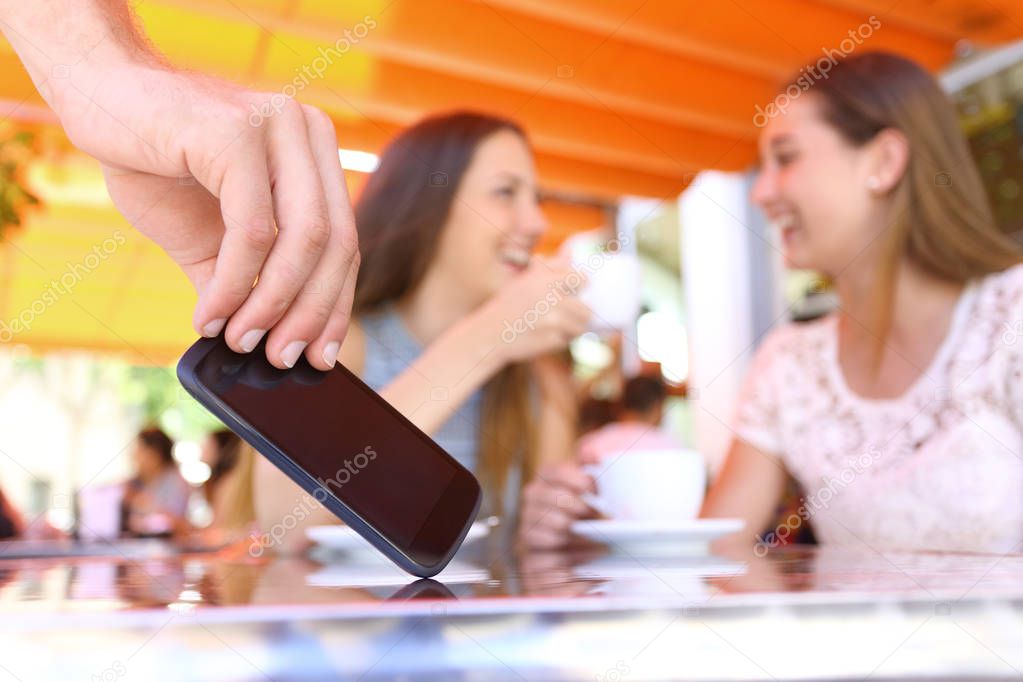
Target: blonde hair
(233,501)
(942,221)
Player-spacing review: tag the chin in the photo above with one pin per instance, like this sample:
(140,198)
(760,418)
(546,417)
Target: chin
(794,260)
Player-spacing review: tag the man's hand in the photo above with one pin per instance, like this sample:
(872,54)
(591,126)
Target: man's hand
(231,189)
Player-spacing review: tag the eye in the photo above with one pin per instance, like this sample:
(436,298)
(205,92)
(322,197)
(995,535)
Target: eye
(505,191)
(785,158)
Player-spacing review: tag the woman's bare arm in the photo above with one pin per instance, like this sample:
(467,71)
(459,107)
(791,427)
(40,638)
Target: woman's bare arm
(749,487)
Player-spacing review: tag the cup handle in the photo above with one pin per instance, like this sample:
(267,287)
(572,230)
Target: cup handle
(595,502)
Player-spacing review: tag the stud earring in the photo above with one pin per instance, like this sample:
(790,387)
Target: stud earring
(873,183)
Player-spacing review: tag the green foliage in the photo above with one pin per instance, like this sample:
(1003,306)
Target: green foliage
(161,400)
(16,149)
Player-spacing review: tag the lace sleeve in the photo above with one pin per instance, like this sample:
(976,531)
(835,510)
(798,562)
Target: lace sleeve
(1008,356)
(757,418)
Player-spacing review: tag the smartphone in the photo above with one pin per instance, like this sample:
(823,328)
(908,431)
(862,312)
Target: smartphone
(345,445)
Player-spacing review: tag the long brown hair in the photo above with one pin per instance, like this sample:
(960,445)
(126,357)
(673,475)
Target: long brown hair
(941,219)
(400,214)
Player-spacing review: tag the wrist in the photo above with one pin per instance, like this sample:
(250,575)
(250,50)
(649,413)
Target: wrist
(481,331)
(81,42)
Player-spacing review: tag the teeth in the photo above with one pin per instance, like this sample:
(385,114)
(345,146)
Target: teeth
(516,256)
(784,222)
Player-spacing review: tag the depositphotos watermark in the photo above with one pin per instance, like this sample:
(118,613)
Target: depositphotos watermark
(72,276)
(312,71)
(569,285)
(815,502)
(309,503)
(818,71)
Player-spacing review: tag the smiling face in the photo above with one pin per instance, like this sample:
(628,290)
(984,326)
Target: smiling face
(815,188)
(495,219)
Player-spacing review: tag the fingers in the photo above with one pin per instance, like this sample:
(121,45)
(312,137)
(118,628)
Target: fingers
(337,327)
(568,476)
(575,317)
(319,315)
(552,503)
(247,208)
(304,232)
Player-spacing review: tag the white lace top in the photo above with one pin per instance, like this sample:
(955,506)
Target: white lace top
(940,467)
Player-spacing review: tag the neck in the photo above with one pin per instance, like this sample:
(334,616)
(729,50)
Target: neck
(919,298)
(433,307)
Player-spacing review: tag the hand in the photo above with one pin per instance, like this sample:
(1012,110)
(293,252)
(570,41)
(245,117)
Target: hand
(41,529)
(232,190)
(551,502)
(539,311)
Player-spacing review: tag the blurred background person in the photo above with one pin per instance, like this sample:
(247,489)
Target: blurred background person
(637,423)
(156,498)
(13,525)
(220,453)
(228,490)
(909,385)
(448,225)
(233,507)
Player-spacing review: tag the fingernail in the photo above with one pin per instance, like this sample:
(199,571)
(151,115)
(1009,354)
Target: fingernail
(289,356)
(251,339)
(330,352)
(213,328)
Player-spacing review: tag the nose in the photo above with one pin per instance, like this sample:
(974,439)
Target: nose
(765,187)
(534,222)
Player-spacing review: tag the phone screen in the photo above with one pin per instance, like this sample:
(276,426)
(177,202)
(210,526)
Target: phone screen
(353,443)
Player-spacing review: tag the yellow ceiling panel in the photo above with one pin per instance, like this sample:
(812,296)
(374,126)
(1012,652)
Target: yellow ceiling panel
(82,277)
(296,64)
(196,40)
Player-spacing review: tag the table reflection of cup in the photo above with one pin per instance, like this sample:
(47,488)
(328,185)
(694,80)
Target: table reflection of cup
(649,485)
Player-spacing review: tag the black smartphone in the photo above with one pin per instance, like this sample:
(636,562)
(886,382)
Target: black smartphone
(345,445)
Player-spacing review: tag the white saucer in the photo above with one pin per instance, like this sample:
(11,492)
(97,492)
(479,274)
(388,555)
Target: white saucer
(340,538)
(691,536)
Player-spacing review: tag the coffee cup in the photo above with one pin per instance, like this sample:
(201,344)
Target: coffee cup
(663,485)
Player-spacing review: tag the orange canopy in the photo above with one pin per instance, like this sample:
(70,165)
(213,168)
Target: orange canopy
(620,97)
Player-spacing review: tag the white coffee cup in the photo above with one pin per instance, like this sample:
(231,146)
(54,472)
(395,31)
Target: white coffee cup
(649,485)
(612,291)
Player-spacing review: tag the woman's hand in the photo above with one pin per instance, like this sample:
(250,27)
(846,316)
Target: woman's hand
(538,312)
(551,502)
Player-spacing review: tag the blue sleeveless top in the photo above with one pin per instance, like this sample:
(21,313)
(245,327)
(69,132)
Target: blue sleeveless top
(390,349)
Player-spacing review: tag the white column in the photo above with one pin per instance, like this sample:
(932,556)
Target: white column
(725,299)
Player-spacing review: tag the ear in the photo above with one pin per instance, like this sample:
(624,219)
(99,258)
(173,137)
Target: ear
(887,161)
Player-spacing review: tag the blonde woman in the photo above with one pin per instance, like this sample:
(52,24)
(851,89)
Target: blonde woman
(901,414)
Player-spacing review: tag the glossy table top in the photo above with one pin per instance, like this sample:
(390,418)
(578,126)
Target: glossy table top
(147,610)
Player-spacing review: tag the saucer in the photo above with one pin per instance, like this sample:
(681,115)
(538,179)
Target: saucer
(690,537)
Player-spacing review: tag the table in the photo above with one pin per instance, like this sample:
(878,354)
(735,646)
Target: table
(147,611)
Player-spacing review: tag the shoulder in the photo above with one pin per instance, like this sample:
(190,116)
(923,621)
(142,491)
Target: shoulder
(794,341)
(997,308)
(1001,289)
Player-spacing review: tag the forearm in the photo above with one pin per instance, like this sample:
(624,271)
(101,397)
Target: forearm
(447,373)
(63,42)
(557,430)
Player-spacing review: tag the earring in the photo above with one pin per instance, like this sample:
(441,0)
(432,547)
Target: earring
(873,183)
